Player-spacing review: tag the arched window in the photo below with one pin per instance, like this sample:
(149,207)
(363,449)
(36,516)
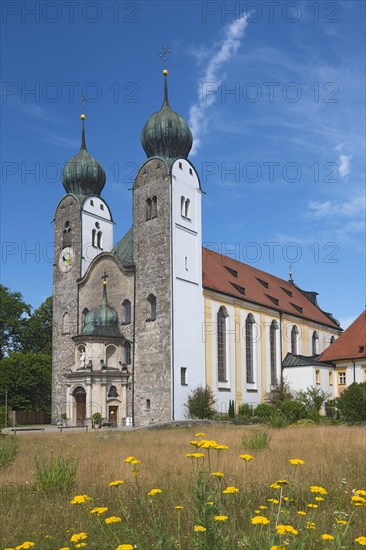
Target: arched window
(186,208)
(273,350)
(66,235)
(221,344)
(151,308)
(294,340)
(111,358)
(113,392)
(154,207)
(66,324)
(126,312)
(332,339)
(100,240)
(94,238)
(315,342)
(148,209)
(249,348)
(84,314)
(182,205)
(127,353)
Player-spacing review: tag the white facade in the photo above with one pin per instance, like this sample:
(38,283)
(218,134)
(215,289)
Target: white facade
(96,230)
(187,296)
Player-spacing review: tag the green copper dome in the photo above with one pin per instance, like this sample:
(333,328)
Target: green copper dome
(166,134)
(102,321)
(82,174)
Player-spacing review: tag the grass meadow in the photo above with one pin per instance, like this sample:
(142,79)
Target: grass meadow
(188,507)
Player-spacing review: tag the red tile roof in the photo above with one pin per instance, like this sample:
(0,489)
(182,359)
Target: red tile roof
(351,344)
(254,285)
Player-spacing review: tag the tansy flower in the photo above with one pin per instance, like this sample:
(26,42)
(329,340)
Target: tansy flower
(319,498)
(99,511)
(341,521)
(246,457)
(63,548)
(78,536)
(275,486)
(207,444)
(277,548)
(217,474)
(179,507)
(195,455)
(273,500)
(263,507)
(221,447)
(310,525)
(135,461)
(200,434)
(361,541)
(221,518)
(115,483)
(129,459)
(283,529)
(296,461)
(361,492)
(285,499)
(230,490)
(26,544)
(210,503)
(125,547)
(260,520)
(312,505)
(358,501)
(80,545)
(282,481)
(199,529)
(318,489)
(195,443)
(301,513)
(327,537)
(80,499)
(113,519)
(154,492)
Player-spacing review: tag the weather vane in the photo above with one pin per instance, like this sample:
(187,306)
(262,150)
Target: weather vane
(82,102)
(164,54)
(290,272)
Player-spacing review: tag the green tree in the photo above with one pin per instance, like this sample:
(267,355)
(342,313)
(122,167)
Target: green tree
(27,376)
(352,403)
(312,398)
(37,331)
(280,391)
(13,316)
(201,403)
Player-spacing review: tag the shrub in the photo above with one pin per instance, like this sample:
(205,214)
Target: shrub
(281,391)
(56,475)
(293,410)
(332,408)
(352,403)
(264,410)
(245,410)
(312,398)
(8,449)
(278,421)
(257,441)
(201,403)
(231,408)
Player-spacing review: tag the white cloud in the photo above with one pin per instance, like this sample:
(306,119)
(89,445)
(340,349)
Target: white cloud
(344,165)
(225,50)
(335,209)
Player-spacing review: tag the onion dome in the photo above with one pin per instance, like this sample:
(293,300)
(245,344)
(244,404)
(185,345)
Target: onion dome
(102,321)
(166,134)
(82,174)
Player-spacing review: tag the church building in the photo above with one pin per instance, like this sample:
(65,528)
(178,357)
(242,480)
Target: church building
(141,322)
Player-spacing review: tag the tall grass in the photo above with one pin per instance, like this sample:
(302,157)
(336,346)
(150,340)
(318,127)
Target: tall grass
(154,522)
(8,449)
(56,474)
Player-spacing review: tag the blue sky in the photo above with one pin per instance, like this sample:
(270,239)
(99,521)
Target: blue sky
(273,91)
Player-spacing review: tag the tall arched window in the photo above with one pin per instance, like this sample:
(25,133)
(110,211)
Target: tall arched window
(249,348)
(100,240)
(148,209)
(151,307)
(221,344)
(332,339)
(314,343)
(127,353)
(154,207)
(273,350)
(294,340)
(66,235)
(126,312)
(182,205)
(186,208)
(111,358)
(66,324)
(84,314)
(94,238)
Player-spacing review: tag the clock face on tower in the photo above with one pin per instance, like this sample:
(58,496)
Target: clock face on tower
(67,259)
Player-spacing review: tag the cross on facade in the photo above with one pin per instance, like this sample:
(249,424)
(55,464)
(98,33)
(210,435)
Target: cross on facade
(104,278)
(164,54)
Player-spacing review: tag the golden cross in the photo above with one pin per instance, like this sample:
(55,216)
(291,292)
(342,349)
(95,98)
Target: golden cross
(164,54)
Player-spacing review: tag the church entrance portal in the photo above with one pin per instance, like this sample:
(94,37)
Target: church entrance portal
(80,400)
(113,414)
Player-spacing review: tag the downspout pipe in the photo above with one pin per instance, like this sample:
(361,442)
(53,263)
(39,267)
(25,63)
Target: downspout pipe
(354,371)
(281,348)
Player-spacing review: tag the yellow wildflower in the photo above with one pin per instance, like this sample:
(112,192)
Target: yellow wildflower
(125,547)
(301,513)
(179,507)
(310,525)
(246,457)
(296,461)
(283,529)
(273,500)
(327,537)
(360,492)
(276,547)
(195,455)
(78,537)
(195,443)
(260,520)
(285,499)
(210,503)
(154,492)
(358,501)
(221,518)
(113,519)
(99,511)
(361,541)
(80,545)
(80,499)
(275,486)
(318,489)
(129,459)
(135,461)
(230,490)
(311,505)
(63,548)
(221,447)
(341,521)
(217,474)
(207,444)
(116,483)
(282,481)
(200,434)
(319,498)
(199,529)
(26,544)
(263,507)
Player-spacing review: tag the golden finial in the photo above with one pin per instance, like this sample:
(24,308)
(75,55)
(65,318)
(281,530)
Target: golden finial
(165,72)
(82,116)
(82,103)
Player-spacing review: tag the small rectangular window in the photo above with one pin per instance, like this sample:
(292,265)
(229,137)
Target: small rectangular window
(91,203)
(191,171)
(342,378)
(102,206)
(148,404)
(317,376)
(331,379)
(183,376)
(181,166)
